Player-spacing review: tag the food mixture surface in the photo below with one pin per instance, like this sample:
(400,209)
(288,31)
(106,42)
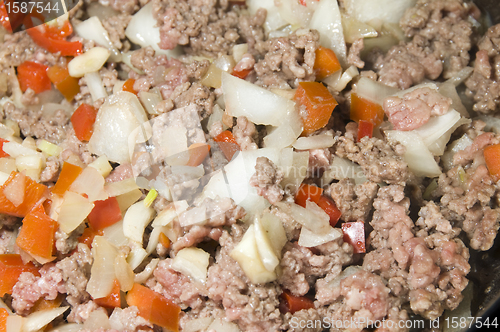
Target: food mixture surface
(258,165)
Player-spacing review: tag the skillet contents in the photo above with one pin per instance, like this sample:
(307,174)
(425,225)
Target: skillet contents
(258,165)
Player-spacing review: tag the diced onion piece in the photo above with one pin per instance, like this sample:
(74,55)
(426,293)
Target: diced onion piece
(49,148)
(37,320)
(320,141)
(307,217)
(341,168)
(285,134)
(374,91)
(274,20)
(225,63)
(259,105)
(31,164)
(89,62)
(143,30)
(354,29)
(14,323)
(118,117)
(327,20)
(102,165)
(15,190)
(273,228)
(124,273)
(294,13)
(137,217)
(238,51)
(114,234)
(12,126)
(246,253)
(7,165)
(3,177)
(449,90)
(267,252)
(121,187)
(222,325)
(373,11)
(91,183)
(102,273)
(438,147)
(167,215)
(437,126)
(126,56)
(73,211)
(217,115)
(95,85)
(212,77)
(92,29)
(136,255)
(295,174)
(150,100)
(69,327)
(309,239)
(6,132)
(147,272)
(15,149)
(338,80)
(192,262)
(154,239)
(418,157)
(198,324)
(97,320)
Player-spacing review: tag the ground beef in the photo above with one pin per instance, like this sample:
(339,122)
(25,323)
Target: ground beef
(72,146)
(266,179)
(7,240)
(288,60)
(219,213)
(354,54)
(301,267)
(115,26)
(51,170)
(415,108)
(483,86)
(129,319)
(319,160)
(81,312)
(203,28)
(380,161)
(67,242)
(245,133)
(193,93)
(441,39)
(38,124)
(354,201)
(123,6)
(120,173)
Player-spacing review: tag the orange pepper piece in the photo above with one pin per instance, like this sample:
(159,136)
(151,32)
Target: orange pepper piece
(68,175)
(83,121)
(308,192)
(227,143)
(105,213)
(113,300)
(319,104)
(492,159)
(364,109)
(63,82)
(11,266)
(325,63)
(34,194)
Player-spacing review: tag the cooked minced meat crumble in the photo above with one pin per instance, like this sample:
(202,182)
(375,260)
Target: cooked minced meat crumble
(212,165)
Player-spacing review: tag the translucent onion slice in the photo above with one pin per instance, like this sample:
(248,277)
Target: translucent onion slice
(192,262)
(91,183)
(102,273)
(321,141)
(73,211)
(137,217)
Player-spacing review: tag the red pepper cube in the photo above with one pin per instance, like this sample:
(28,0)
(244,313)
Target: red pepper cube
(83,121)
(34,76)
(354,234)
(105,213)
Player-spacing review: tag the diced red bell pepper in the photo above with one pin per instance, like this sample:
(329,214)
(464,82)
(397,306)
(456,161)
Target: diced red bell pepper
(33,75)
(328,205)
(51,38)
(292,304)
(88,236)
(354,234)
(129,86)
(3,319)
(227,143)
(154,307)
(68,175)
(113,300)
(325,63)
(364,109)
(34,194)
(365,129)
(83,121)
(105,213)
(492,158)
(11,266)
(36,236)
(14,20)
(241,73)
(308,192)
(63,82)
(4,17)
(319,104)
(2,152)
